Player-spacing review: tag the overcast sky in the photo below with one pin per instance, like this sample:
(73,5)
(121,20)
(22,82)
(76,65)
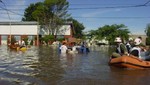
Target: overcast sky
(92,13)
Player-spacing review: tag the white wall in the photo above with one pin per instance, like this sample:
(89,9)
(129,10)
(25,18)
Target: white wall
(18,29)
(65,30)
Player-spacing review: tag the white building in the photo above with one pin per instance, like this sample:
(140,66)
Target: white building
(31,30)
(18,30)
(65,31)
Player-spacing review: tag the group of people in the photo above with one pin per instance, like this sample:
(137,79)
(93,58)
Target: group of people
(20,43)
(76,48)
(133,47)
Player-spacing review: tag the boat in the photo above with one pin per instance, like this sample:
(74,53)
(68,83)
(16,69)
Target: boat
(21,49)
(129,62)
(17,48)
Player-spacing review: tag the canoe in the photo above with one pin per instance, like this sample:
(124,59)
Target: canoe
(129,62)
(13,47)
(22,49)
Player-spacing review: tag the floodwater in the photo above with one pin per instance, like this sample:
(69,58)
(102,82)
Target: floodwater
(45,66)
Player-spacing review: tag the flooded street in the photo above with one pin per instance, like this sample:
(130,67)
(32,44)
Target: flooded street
(45,66)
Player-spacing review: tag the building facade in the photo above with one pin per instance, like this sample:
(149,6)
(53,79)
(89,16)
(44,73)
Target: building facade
(18,30)
(31,30)
(65,31)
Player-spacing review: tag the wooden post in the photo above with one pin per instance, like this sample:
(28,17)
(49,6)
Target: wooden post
(0,40)
(37,41)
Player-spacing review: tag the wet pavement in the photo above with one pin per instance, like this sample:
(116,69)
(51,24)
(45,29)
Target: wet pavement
(45,66)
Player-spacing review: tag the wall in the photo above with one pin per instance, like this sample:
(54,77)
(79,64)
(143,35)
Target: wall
(18,30)
(64,30)
(22,29)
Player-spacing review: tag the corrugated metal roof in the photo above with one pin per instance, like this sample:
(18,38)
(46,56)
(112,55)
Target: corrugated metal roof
(19,23)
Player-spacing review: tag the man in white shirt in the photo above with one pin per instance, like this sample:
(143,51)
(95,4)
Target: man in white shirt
(63,48)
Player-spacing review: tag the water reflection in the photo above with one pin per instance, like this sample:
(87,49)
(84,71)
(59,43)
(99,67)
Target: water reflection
(45,66)
(48,68)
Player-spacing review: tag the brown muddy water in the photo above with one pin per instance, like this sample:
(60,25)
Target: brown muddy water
(45,66)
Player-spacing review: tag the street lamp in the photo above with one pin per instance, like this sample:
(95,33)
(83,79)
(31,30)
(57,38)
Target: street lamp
(8,16)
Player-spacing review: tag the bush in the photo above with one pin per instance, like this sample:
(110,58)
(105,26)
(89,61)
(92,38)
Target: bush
(47,38)
(148,41)
(13,40)
(61,39)
(26,41)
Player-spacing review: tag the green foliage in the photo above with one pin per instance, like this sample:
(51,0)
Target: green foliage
(29,11)
(110,32)
(147,30)
(47,38)
(50,14)
(13,40)
(31,42)
(148,41)
(78,28)
(26,41)
(60,39)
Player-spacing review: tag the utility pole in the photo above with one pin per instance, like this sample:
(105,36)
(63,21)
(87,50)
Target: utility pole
(8,17)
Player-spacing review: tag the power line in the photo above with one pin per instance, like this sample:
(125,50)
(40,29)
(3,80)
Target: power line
(6,10)
(115,17)
(106,7)
(16,5)
(131,17)
(128,6)
(102,4)
(9,14)
(133,6)
(11,11)
(74,4)
(146,2)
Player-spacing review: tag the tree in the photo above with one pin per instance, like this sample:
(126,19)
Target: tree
(110,32)
(59,13)
(28,12)
(147,30)
(78,27)
(51,14)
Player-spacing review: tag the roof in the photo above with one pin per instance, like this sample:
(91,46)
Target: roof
(19,23)
(71,23)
